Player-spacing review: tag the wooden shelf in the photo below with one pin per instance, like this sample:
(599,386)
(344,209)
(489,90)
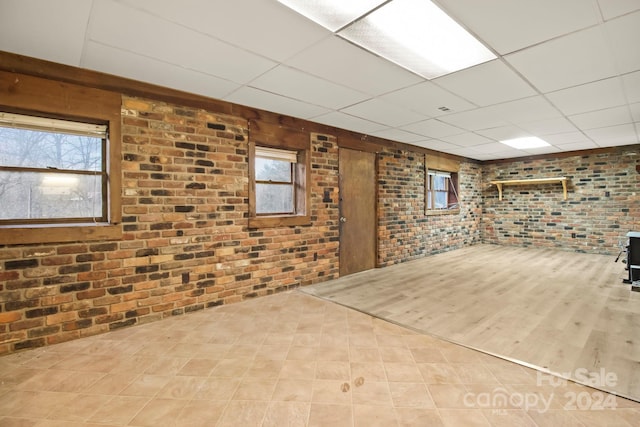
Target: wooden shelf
(562,180)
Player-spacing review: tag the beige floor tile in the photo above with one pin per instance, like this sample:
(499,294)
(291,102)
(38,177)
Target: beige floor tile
(272,352)
(463,417)
(119,410)
(33,404)
(80,408)
(374,416)
(181,388)
(323,415)
(508,418)
(159,412)
(255,389)
(449,395)
(555,418)
(298,370)
(474,373)
(438,373)
(146,385)
(219,389)
(413,417)
(336,354)
(311,364)
(293,390)
(331,391)
(265,368)
(243,413)
(111,384)
(332,370)
(198,367)
(288,414)
(18,422)
(427,355)
(364,354)
(403,372)
(197,413)
(396,354)
(231,368)
(412,395)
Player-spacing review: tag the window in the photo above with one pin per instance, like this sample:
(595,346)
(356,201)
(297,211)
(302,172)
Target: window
(60,164)
(275,181)
(51,171)
(279,167)
(442,191)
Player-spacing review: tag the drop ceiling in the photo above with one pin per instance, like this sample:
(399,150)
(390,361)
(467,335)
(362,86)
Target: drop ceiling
(566,71)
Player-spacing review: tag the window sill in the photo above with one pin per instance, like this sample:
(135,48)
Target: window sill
(59,234)
(279,221)
(442,212)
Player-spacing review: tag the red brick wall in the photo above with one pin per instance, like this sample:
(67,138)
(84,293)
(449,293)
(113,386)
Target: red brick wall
(603,202)
(186,245)
(405,233)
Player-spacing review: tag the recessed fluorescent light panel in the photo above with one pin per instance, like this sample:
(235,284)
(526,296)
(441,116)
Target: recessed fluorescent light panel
(414,34)
(332,14)
(526,142)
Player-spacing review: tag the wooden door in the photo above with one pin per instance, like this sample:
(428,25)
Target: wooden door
(357,211)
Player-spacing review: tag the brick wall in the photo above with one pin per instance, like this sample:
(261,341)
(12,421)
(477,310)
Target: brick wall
(405,233)
(186,245)
(603,202)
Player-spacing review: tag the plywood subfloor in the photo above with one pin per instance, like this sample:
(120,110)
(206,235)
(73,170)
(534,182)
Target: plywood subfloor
(561,312)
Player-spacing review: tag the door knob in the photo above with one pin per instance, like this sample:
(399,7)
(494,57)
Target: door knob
(343,219)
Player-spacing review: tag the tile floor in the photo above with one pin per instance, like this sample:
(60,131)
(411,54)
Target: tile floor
(286,360)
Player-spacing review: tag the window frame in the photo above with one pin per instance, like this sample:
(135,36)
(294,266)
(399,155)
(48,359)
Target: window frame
(28,95)
(435,165)
(53,126)
(266,136)
(278,155)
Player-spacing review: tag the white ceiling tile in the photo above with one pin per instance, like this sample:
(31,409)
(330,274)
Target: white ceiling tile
(566,138)
(582,145)
(267,101)
(467,139)
(486,84)
(432,128)
(492,147)
(384,112)
(54,31)
(469,153)
(631,84)
(435,144)
(150,36)
(507,154)
(480,118)
(252,25)
(602,118)
(624,33)
(341,62)
(525,110)
(635,111)
(510,25)
(614,135)
(612,8)
(571,60)
(305,87)
(345,121)
(542,150)
(126,64)
(549,126)
(503,132)
(427,98)
(589,97)
(398,135)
